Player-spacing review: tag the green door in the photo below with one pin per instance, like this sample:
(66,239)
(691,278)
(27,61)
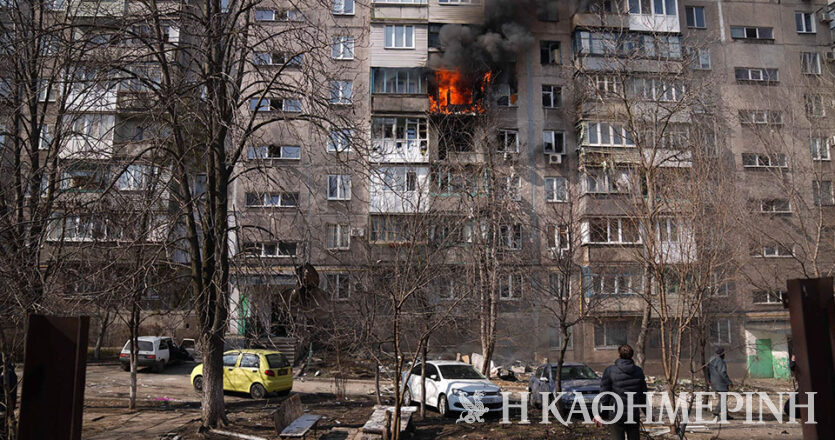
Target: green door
(761,363)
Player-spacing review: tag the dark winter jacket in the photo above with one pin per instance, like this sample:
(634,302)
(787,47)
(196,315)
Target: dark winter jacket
(717,374)
(623,377)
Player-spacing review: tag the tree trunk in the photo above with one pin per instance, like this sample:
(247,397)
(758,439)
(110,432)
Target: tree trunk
(561,360)
(133,323)
(377,385)
(211,401)
(640,344)
(423,380)
(398,368)
(105,322)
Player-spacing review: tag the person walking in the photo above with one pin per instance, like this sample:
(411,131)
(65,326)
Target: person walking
(717,375)
(621,378)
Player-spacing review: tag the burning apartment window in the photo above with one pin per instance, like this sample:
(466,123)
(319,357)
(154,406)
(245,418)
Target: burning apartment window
(342,92)
(553,142)
(551,96)
(403,81)
(508,141)
(610,334)
(339,285)
(292,152)
(556,189)
(339,237)
(510,237)
(340,140)
(343,7)
(510,286)
(399,37)
(558,237)
(342,48)
(274,200)
(339,187)
(550,52)
(822,193)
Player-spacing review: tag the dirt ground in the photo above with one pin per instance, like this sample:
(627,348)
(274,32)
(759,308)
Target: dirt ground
(169,407)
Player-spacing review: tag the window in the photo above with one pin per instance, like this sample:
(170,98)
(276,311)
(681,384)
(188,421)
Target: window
(695,17)
(84,228)
(340,140)
(339,285)
(720,332)
(135,177)
(342,48)
(556,189)
(512,189)
(657,7)
(510,286)
(700,58)
(760,117)
(395,134)
(610,334)
(342,92)
(607,134)
(506,95)
(768,296)
(270,249)
(47,91)
(508,141)
(399,37)
(250,361)
(752,160)
(822,193)
(339,237)
(752,33)
(805,22)
(810,63)
(343,7)
(275,104)
(553,142)
(339,187)
(550,52)
(390,229)
(613,231)
(458,2)
(756,74)
(280,200)
(819,148)
(815,107)
(288,152)
(276,59)
(386,80)
(605,84)
(45,141)
(84,177)
(772,250)
(265,14)
(92,127)
(397,179)
(653,89)
(229,360)
(551,96)
(775,206)
(510,236)
(558,286)
(558,238)
(668,230)
(597,181)
(614,283)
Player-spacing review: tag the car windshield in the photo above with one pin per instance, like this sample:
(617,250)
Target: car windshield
(574,372)
(277,360)
(143,346)
(459,372)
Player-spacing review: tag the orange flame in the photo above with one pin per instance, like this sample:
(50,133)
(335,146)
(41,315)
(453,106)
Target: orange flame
(454,95)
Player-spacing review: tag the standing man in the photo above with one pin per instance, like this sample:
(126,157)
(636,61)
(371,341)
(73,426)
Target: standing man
(717,375)
(621,378)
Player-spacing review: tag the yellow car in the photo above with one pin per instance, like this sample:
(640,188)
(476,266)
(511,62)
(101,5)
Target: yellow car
(256,372)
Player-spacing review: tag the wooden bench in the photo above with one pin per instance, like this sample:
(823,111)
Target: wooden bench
(290,420)
(376,424)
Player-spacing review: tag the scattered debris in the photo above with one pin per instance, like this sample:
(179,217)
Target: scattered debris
(657,432)
(506,374)
(236,435)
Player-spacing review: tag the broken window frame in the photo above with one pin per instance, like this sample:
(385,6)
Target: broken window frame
(553,142)
(551,96)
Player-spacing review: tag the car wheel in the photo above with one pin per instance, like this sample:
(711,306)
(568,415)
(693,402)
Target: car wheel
(257,391)
(407,397)
(198,383)
(443,406)
(125,366)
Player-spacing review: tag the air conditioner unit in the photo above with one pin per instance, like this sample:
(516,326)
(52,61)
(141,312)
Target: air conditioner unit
(357,232)
(825,17)
(829,56)
(555,159)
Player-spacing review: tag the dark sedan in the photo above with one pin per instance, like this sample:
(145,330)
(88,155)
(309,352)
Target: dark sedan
(575,377)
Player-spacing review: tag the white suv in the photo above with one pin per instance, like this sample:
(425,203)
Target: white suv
(154,352)
(446,383)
